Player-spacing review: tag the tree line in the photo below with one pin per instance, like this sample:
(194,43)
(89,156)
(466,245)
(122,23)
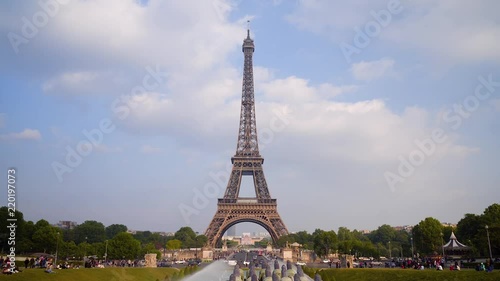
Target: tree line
(93,238)
(425,239)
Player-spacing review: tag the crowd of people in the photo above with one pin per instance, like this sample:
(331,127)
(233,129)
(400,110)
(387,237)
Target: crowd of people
(7,266)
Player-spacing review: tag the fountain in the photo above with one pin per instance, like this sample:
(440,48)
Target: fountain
(222,271)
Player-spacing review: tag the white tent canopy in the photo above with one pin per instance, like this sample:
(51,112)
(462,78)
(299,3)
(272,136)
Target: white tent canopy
(453,244)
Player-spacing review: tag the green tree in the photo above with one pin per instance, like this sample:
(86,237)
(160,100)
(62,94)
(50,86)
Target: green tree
(356,234)
(25,245)
(231,243)
(174,244)
(200,241)
(491,218)
(366,249)
(491,215)
(156,239)
(68,250)
(471,230)
(344,234)
(324,241)
(30,229)
(383,234)
(85,249)
(427,236)
(346,243)
(262,243)
(468,226)
(41,223)
(150,248)
(345,246)
(114,229)
(21,232)
(290,238)
(143,236)
(90,231)
(123,245)
(45,238)
(305,239)
(187,236)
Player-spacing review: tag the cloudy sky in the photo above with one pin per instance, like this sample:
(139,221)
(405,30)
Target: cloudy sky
(368,112)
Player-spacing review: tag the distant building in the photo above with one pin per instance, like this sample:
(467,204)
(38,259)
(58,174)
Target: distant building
(246,239)
(407,228)
(447,224)
(162,233)
(68,225)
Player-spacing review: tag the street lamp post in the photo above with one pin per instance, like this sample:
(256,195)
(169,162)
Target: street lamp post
(412,255)
(489,244)
(442,245)
(390,254)
(84,252)
(106,253)
(57,248)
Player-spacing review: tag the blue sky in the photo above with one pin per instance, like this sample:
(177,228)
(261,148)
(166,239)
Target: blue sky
(336,126)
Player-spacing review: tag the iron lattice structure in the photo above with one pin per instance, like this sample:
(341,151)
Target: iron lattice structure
(232,209)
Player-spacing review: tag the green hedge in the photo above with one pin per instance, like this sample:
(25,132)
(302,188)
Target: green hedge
(473,265)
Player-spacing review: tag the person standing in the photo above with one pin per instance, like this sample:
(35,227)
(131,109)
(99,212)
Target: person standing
(26,262)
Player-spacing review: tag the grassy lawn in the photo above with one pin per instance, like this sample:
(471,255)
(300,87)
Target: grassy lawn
(93,274)
(153,274)
(406,275)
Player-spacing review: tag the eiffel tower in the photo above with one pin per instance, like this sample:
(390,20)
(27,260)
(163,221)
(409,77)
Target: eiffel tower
(232,209)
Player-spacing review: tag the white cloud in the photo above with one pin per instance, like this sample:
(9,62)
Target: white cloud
(469,32)
(328,90)
(321,16)
(197,33)
(148,149)
(372,70)
(353,131)
(297,90)
(309,133)
(262,74)
(107,149)
(81,82)
(290,89)
(442,30)
(26,134)
(185,39)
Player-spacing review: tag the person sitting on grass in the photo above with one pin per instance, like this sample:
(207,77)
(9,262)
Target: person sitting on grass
(49,269)
(6,270)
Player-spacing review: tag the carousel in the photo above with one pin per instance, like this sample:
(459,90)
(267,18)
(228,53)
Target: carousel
(454,249)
